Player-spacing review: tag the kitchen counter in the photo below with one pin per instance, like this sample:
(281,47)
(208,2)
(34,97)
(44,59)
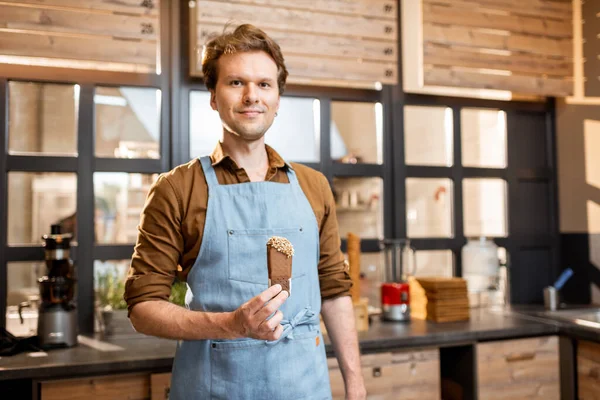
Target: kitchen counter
(142,353)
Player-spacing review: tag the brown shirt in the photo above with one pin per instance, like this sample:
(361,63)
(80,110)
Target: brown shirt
(172,225)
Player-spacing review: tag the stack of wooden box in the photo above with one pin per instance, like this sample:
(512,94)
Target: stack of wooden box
(439,299)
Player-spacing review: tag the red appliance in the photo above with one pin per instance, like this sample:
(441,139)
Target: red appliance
(395,295)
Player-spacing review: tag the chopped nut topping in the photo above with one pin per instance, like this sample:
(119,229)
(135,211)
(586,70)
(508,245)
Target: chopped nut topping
(282,245)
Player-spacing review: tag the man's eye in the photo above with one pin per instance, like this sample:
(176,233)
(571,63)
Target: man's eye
(236,83)
(265,85)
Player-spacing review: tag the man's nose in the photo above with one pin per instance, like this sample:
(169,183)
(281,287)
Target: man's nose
(251,94)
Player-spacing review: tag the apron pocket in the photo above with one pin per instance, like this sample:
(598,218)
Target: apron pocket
(239,369)
(247,252)
(304,372)
(250,369)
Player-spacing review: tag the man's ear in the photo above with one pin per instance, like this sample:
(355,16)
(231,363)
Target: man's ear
(213,100)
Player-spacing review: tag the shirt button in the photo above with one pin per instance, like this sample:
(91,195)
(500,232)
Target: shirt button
(230,233)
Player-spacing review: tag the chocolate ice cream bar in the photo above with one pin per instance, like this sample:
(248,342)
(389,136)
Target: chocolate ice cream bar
(279,262)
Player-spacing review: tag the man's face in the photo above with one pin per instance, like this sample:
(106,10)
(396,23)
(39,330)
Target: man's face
(246,94)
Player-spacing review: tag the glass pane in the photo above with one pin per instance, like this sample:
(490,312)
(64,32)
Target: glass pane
(294,134)
(119,199)
(483,137)
(359,206)
(109,283)
(429,207)
(42,118)
(356,132)
(435,263)
(428,133)
(371,277)
(22,287)
(127,122)
(38,200)
(484,207)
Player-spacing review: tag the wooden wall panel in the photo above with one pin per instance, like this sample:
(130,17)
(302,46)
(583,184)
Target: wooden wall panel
(324,42)
(143,7)
(455,14)
(536,8)
(384,9)
(77,22)
(521,46)
(481,39)
(81,48)
(293,20)
(318,45)
(468,58)
(92,34)
(516,83)
(590,13)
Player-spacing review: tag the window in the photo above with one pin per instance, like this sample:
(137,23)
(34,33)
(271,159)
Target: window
(484,203)
(42,118)
(119,200)
(127,122)
(356,132)
(38,200)
(428,133)
(359,206)
(483,138)
(429,207)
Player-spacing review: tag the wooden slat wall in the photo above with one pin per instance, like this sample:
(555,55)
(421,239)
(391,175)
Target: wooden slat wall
(522,46)
(325,42)
(111,35)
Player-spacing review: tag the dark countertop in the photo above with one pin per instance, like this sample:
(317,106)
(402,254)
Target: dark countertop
(143,353)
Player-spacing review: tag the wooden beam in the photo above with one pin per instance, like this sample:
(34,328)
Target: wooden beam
(100,48)
(139,7)
(383,9)
(466,17)
(317,45)
(473,37)
(295,21)
(519,63)
(78,22)
(517,83)
(534,8)
(329,68)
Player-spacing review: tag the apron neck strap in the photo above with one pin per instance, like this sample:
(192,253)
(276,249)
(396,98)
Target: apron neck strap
(209,171)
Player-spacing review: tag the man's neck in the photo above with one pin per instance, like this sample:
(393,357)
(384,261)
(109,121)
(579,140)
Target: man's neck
(251,156)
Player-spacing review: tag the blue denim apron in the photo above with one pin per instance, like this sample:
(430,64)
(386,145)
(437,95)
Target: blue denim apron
(231,268)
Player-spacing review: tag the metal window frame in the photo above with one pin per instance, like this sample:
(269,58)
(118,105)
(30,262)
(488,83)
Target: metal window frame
(176,85)
(85,164)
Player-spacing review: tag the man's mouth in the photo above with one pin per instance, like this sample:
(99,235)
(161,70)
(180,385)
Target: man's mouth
(250,113)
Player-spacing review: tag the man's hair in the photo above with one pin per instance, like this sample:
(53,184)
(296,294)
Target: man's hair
(244,38)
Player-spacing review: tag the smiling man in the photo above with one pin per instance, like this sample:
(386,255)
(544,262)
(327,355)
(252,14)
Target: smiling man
(209,221)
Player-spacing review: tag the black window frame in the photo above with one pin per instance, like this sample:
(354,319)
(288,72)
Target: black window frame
(176,85)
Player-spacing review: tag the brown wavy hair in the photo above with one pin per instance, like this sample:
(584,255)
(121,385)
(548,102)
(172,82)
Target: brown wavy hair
(244,38)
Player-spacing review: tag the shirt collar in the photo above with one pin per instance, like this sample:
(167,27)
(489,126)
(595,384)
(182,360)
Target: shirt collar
(219,155)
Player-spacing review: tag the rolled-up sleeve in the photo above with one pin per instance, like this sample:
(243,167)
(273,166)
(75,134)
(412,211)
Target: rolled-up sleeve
(334,277)
(159,246)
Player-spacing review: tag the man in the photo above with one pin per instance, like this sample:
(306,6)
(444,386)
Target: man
(239,338)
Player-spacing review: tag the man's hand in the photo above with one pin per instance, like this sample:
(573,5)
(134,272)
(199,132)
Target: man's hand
(252,320)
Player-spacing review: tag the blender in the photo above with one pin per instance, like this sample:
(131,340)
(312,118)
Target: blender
(57,318)
(400,263)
